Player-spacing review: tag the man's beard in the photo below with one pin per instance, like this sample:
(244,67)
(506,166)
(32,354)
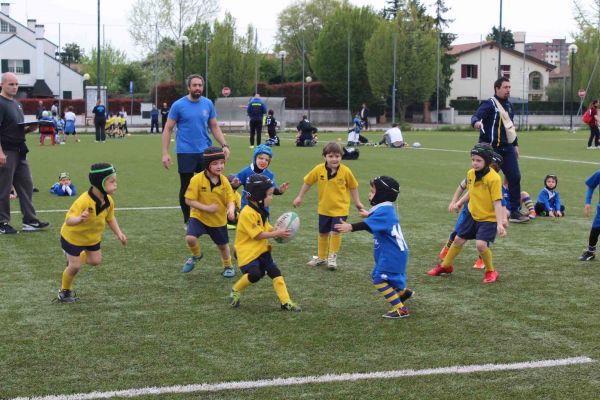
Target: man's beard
(195,95)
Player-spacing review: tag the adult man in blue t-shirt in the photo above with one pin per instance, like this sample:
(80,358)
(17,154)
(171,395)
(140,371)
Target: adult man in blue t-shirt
(256,110)
(194,114)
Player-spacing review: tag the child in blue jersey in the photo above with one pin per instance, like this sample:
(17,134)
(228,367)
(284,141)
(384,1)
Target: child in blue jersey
(457,202)
(354,133)
(64,186)
(389,247)
(261,159)
(548,201)
(592,183)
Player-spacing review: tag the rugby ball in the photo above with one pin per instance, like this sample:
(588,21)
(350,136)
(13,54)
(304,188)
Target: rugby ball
(289,221)
(416,145)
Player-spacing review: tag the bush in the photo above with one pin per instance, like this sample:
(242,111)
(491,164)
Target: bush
(292,91)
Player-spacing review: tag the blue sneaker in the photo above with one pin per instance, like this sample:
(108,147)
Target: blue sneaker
(228,272)
(191,263)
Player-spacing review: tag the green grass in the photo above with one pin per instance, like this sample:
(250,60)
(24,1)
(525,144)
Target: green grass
(141,322)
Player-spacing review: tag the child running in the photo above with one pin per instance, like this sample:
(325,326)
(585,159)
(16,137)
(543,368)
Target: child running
(485,215)
(252,247)
(336,185)
(389,247)
(212,202)
(81,233)
(592,183)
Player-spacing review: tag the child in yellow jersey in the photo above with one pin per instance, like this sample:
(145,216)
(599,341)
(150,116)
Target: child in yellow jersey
(485,214)
(251,243)
(211,201)
(81,233)
(336,185)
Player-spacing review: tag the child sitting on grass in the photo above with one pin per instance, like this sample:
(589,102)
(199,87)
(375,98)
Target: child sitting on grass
(548,202)
(64,186)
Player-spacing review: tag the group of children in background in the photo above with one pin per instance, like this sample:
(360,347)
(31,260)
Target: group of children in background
(215,206)
(58,127)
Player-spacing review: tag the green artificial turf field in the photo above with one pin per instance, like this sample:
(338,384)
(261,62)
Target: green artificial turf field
(142,323)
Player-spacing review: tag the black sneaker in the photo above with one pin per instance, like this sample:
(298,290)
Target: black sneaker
(6,229)
(66,296)
(587,256)
(518,218)
(406,295)
(34,225)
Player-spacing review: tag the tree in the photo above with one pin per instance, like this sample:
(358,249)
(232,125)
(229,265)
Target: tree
(416,46)
(301,23)
(331,53)
(508,40)
(112,61)
(390,11)
(132,72)
(446,60)
(71,54)
(587,63)
(152,20)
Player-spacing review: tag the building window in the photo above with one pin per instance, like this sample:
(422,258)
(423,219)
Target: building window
(5,27)
(505,71)
(16,66)
(468,71)
(535,81)
(67,95)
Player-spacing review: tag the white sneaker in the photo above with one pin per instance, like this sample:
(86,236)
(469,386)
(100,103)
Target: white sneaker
(316,261)
(591,148)
(332,262)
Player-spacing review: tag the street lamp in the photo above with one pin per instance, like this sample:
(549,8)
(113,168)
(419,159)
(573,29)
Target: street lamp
(308,81)
(282,55)
(184,41)
(86,77)
(573,50)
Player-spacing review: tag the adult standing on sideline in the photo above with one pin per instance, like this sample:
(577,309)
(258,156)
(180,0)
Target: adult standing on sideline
(39,110)
(364,116)
(154,119)
(99,112)
(164,113)
(256,110)
(194,114)
(14,168)
(492,131)
(594,139)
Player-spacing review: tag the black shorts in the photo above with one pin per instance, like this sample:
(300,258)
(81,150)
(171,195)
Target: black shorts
(188,163)
(326,223)
(471,229)
(74,250)
(218,235)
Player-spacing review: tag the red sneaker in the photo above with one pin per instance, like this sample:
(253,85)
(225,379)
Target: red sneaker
(443,253)
(490,276)
(479,264)
(439,270)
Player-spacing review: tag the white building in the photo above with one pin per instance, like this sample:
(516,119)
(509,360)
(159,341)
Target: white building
(476,69)
(25,51)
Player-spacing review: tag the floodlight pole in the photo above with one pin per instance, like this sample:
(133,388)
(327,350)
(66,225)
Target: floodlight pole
(98,58)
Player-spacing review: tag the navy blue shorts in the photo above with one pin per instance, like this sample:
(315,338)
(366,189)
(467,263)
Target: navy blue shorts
(75,251)
(471,229)
(188,163)
(218,235)
(261,266)
(326,223)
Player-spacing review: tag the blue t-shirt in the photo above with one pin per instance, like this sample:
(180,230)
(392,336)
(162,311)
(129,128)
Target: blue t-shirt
(247,172)
(99,113)
(389,247)
(192,124)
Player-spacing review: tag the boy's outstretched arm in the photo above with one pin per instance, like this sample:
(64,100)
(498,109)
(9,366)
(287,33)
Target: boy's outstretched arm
(453,206)
(500,229)
(114,226)
(298,200)
(356,199)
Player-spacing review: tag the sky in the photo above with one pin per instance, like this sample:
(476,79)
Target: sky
(541,20)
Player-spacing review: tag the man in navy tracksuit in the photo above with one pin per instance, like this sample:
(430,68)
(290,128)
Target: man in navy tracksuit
(491,130)
(256,110)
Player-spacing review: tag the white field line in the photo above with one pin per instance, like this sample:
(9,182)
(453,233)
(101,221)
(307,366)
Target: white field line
(242,385)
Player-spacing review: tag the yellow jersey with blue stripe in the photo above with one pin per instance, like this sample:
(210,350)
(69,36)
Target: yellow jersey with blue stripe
(204,191)
(89,232)
(483,193)
(333,190)
(250,224)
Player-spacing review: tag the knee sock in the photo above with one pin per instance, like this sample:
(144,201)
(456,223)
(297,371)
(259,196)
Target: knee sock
(242,283)
(593,240)
(445,250)
(281,290)
(195,249)
(528,203)
(67,280)
(452,253)
(486,256)
(226,262)
(390,295)
(83,257)
(322,246)
(335,242)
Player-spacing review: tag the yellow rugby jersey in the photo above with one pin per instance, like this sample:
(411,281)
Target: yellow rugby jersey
(483,194)
(203,190)
(250,225)
(237,200)
(333,192)
(89,232)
